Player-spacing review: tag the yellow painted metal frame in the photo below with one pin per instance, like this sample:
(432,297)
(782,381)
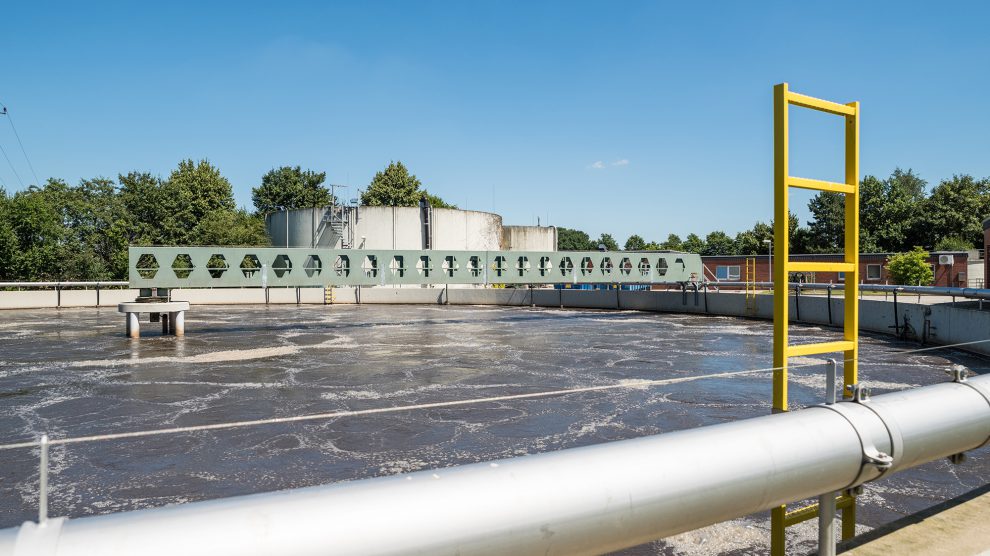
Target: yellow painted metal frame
(751,285)
(782,182)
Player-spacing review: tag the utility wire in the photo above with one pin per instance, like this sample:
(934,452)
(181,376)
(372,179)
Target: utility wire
(12,169)
(18,136)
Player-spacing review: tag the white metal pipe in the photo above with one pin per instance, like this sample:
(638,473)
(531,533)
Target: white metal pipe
(826,524)
(969,293)
(586,500)
(43,481)
(178,323)
(61,284)
(133,325)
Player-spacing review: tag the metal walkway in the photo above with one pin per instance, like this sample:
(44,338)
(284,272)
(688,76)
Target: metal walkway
(218,267)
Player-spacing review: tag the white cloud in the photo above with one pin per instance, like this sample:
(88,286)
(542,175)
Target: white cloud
(621,162)
(597,165)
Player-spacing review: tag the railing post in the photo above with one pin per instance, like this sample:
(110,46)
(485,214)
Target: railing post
(43,481)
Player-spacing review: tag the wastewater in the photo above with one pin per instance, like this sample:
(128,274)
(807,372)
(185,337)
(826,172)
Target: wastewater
(72,372)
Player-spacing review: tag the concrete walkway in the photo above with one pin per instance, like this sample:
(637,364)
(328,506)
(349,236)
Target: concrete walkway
(957,527)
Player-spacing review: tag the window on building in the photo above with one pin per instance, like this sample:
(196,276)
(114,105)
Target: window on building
(873,272)
(842,276)
(730,273)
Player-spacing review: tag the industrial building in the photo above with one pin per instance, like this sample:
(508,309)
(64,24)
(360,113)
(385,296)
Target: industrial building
(951,268)
(423,227)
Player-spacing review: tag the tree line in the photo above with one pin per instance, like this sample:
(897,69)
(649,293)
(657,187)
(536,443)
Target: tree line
(897,214)
(57,231)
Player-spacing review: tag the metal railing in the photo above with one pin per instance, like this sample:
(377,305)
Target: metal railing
(587,500)
(58,286)
(968,293)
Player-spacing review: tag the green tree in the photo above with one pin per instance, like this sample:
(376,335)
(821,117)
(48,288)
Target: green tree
(201,188)
(752,242)
(36,222)
(574,240)
(718,243)
(747,244)
(97,235)
(911,268)
(890,211)
(395,186)
(693,244)
(828,222)
(8,239)
(673,243)
(635,243)
(956,208)
(953,243)
(609,242)
(234,227)
(150,212)
(292,188)
(652,246)
(437,202)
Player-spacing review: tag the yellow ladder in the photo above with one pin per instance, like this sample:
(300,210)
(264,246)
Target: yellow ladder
(783,98)
(751,285)
(328,295)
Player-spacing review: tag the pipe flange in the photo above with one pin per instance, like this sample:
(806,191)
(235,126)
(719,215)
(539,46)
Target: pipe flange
(980,389)
(873,458)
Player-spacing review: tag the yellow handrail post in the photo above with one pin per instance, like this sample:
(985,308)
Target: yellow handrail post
(850,325)
(782,182)
(781,232)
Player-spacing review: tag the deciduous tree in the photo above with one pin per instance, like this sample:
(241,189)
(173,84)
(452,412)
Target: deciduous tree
(911,268)
(292,188)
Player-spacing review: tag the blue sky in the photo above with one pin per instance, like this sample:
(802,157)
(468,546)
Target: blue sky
(620,117)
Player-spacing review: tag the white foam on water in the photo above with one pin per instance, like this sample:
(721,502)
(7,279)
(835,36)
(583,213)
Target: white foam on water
(201,383)
(351,395)
(818,381)
(210,357)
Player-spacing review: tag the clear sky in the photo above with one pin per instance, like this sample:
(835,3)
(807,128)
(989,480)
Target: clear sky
(620,117)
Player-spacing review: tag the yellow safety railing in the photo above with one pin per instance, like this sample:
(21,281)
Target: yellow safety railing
(780,518)
(751,285)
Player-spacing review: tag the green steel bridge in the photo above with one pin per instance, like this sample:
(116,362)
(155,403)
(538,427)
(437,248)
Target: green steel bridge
(223,267)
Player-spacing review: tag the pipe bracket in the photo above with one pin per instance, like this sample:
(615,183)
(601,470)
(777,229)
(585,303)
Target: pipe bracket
(39,539)
(982,390)
(873,457)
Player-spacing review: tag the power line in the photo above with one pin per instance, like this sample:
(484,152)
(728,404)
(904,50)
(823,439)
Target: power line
(24,152)
(12,169)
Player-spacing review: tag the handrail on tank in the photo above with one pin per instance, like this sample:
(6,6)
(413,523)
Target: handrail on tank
(66,284)
(969,293)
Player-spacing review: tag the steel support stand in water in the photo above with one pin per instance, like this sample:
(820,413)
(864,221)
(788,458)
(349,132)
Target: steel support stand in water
(43,481)
(826,502)
(665,489)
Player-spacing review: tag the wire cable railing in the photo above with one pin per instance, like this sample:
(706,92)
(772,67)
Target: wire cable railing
(625,384)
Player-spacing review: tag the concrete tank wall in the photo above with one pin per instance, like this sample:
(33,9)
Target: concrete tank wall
(387,228)
(402,228)
(302,229)
(391,228)
(529,238)
(466,230)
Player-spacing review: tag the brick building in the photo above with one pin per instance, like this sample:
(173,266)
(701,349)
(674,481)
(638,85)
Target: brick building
(949,268)
(986,253)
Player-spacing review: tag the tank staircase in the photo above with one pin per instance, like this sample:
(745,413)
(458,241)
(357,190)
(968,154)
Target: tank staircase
(334,227)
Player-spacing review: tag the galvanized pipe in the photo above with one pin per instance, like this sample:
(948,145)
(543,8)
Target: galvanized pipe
(969,293)
(62,284)
(586,500)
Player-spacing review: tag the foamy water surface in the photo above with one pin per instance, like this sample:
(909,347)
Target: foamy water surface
(72,373)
